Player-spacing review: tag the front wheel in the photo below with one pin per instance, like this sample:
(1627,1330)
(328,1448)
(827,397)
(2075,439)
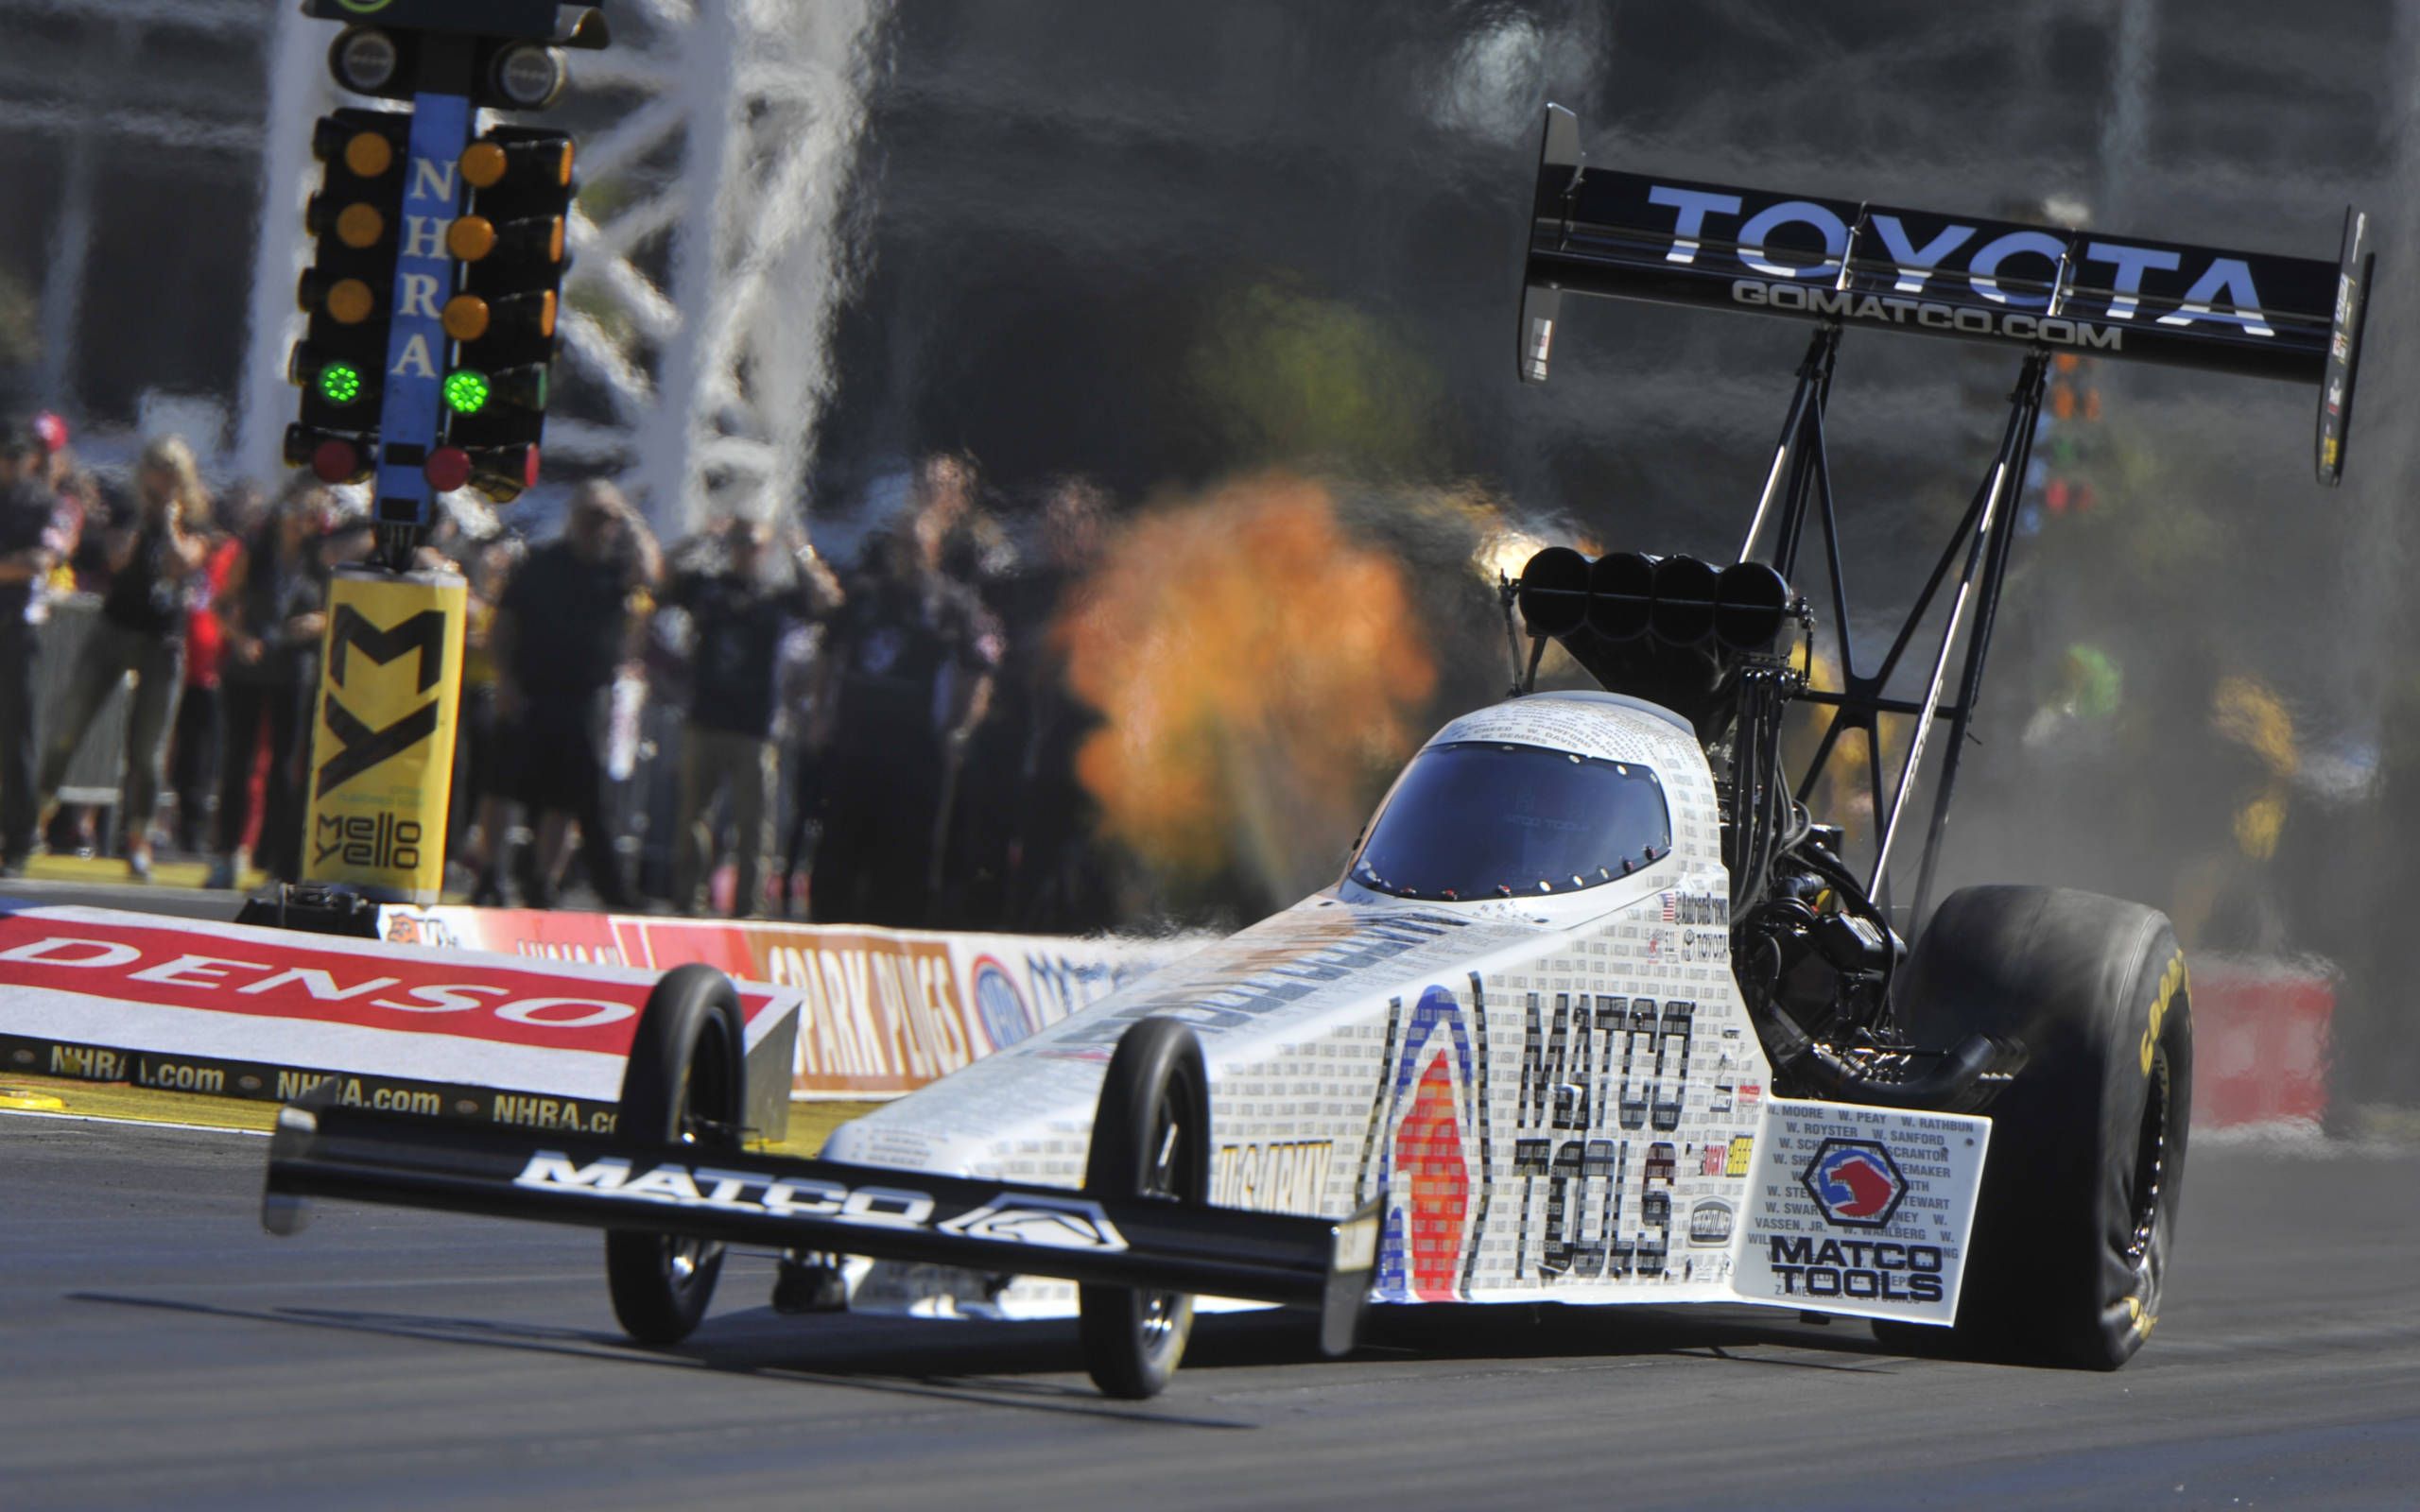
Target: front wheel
(1150,1137)
(2077,1216)
(681,1085)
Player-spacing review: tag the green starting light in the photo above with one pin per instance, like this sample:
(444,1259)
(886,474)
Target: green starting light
(339,382)
(467,391)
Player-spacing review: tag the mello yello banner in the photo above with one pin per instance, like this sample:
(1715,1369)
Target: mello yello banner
(382,748)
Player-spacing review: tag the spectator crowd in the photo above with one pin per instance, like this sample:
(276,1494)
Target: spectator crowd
(733,721)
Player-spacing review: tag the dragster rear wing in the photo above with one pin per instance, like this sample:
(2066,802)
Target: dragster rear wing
(785,1203)
(1642,236)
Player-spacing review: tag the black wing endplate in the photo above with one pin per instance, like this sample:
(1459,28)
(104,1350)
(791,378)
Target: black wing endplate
(1673,240)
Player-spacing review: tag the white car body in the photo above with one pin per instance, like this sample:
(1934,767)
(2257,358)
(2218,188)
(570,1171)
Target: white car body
(1555,1097)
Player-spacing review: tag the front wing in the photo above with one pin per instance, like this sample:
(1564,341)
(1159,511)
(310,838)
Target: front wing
(992,1227)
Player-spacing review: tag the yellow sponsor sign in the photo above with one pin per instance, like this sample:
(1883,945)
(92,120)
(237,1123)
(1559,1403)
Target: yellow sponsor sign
(382,748)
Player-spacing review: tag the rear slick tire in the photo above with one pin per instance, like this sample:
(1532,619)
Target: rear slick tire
(681,1085)
(2077,1216)
(1150,1137)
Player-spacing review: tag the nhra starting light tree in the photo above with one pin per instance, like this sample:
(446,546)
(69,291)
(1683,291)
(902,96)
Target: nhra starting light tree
(438,254)
(432,299)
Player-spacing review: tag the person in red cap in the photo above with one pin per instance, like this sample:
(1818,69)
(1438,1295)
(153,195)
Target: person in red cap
(53,433)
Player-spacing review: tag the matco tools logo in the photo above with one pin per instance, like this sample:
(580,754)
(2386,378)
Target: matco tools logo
(1855,1182)
(1011,1218)
(682,1186)
(1070,1223)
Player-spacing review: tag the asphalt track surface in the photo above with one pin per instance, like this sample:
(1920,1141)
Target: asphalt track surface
(158,1349)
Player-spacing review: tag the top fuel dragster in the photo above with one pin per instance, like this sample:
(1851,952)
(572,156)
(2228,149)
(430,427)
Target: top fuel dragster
(1599,1011)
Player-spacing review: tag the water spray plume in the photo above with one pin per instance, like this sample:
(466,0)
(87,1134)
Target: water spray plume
(1259,672)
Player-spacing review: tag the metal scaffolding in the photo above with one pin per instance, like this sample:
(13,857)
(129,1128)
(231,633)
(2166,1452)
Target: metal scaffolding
(716,141)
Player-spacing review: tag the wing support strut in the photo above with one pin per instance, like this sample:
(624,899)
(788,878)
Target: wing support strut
(1798,490)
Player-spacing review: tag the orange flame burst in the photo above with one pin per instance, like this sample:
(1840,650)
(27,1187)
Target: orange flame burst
(1257,670)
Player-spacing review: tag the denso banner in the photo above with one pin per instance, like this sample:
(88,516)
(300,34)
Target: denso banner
(269,1013)
(881,1011)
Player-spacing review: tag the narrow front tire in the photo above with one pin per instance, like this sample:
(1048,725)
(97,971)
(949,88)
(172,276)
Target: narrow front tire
(1150,1137)
(683,1085)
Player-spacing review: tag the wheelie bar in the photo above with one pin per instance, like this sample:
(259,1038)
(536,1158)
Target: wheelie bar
(736,1197)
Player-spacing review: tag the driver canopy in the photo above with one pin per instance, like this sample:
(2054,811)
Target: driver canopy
(1486,819)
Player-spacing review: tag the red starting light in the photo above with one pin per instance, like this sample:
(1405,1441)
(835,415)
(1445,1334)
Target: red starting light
(335,461)
(448,468)
(502,472)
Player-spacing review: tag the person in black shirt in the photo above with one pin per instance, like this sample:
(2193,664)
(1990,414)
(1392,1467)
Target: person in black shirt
(31,536)
(142,630)
(737,619)
(916,652)
(487,566)
(274,614)
(1057,880)
(562,630)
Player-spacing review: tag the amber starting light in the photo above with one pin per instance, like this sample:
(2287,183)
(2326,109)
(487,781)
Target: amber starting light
(351,301)
(466,317)
(360,227)
(485,163)
(369,154)
(471,238)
